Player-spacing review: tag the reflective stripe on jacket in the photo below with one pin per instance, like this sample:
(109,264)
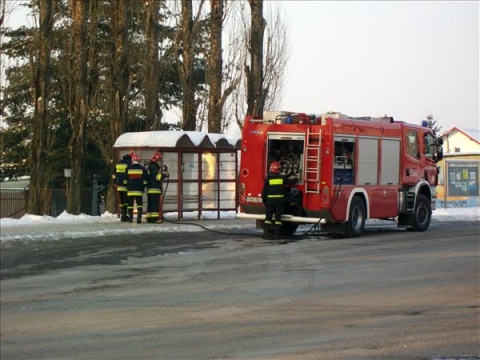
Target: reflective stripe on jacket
(120,175)
(137,178)
(273,188)
(154,185)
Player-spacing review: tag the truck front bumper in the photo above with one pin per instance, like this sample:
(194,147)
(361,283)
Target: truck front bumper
(285,217)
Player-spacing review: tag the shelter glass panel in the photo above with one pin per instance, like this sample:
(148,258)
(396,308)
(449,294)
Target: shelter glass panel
(189,198)
(209,166)
(209,195)
(171,195)
(227,166)
(170,159)
(190,166)
(227,195)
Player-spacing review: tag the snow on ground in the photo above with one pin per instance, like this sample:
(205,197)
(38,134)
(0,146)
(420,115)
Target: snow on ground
(35,227)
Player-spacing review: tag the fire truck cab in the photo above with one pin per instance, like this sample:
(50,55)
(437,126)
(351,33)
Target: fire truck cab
(348,169)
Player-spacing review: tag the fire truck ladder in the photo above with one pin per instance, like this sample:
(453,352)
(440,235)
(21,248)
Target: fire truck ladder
(312,162)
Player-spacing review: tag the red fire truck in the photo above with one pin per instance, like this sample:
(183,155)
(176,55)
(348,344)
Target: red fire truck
(348,169)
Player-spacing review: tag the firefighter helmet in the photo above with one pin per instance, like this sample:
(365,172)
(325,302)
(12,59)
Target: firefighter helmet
(274,167)
(135,157)
(157,156)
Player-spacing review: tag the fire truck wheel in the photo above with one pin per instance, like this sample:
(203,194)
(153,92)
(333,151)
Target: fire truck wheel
(422,214)
(356,219)
(288,228)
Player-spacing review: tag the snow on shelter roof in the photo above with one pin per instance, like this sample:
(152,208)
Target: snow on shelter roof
(171,139)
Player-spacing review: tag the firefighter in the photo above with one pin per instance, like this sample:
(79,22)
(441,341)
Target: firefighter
(120,178)
(137,178)
(154,188)
(273,197)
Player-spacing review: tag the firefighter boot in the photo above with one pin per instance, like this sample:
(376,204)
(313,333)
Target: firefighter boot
(124,216)
(266,229)
(276,233)
(130,215)
(139,216)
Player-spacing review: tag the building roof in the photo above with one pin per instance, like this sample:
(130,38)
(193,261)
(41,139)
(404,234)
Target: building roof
(172,139)
(472,134)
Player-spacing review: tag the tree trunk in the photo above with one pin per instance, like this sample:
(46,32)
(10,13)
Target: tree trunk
(120,84)
(39,175)
(153,113)
(80,105)
(255,93)
(215,62)
(187,68)
(121,71)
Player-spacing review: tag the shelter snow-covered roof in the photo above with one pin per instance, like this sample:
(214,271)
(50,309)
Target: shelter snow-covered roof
(171,139)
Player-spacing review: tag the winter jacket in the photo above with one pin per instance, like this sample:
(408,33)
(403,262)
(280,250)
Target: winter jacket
(155,177)
(120,175)
(273,189)
(137,179)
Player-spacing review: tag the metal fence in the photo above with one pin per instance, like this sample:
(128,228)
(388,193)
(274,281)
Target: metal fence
(13,203)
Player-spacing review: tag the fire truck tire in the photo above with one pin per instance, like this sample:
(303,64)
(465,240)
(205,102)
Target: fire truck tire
(356,219)
(288,228)
(422,214)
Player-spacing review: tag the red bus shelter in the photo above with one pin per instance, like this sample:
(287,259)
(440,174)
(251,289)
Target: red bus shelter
(202,166)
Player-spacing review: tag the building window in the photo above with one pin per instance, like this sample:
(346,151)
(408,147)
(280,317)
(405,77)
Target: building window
(462,178)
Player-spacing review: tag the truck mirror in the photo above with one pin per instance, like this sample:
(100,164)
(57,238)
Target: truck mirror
(439,153)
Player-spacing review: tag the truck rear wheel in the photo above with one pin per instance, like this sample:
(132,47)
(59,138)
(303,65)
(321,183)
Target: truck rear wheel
(288,228)
(356,219)
(422,214)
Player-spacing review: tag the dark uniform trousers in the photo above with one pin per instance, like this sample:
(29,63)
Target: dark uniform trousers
(120,177)
(273,197)
(154,193)
(137,180)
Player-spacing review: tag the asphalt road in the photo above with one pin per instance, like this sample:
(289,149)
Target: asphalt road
(391,294)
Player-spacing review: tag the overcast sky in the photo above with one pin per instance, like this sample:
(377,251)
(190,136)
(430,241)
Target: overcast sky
(405,59)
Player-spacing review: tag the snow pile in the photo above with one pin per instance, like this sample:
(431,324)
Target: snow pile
(66,218)
(34,227)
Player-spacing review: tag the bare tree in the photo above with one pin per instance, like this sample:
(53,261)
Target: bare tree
(254,71)
(40,67)
(275,60)
(275,57)
(215,67)
(79,113)
(186,66)
(7,8)
(186,62)
(3,11)
(118,82)
(121,68)
(223,77)
(152,103)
